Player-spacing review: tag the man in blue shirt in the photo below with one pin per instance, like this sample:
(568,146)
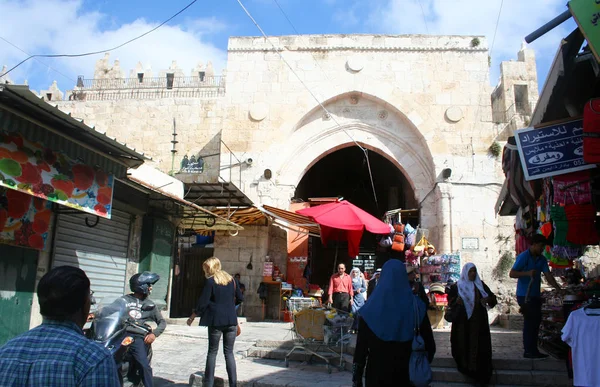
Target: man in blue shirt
(528,268)
(56,353)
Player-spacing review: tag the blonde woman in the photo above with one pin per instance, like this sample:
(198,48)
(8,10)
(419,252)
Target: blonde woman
(216,308)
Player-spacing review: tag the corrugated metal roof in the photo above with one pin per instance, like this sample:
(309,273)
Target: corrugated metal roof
(259,215)
(192,212)
(20,98)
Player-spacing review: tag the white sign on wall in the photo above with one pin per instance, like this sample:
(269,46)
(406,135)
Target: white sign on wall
(470,243)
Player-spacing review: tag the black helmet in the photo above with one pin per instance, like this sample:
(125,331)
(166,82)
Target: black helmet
(140,282)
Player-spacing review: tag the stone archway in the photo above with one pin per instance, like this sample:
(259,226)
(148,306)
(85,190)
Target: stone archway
(372,124)
(359,119)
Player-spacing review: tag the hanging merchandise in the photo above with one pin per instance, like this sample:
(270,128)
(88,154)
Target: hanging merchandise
(591,132)
(582,228)
(443,269)
(398,242)
(581,334)
(573,188)
(561,226)
(386,240)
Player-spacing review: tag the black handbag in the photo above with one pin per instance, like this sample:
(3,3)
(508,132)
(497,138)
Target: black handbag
(452,312)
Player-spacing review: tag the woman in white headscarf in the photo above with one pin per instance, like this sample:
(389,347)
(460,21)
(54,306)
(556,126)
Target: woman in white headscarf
(470,336)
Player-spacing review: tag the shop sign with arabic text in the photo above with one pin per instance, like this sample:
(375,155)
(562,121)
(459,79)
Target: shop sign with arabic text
(587,15)
(31,168)
(552,150)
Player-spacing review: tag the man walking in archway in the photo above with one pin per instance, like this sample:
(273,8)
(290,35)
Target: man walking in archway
(340,289)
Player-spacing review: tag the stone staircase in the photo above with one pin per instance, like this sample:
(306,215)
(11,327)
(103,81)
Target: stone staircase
(515,372)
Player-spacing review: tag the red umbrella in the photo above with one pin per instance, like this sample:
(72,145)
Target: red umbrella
(344,221)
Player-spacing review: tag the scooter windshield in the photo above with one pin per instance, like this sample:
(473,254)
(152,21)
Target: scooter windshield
(108,320)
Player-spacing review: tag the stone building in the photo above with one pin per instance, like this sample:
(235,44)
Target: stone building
(386,121)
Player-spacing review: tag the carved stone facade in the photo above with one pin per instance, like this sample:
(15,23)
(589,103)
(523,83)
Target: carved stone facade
(422,102)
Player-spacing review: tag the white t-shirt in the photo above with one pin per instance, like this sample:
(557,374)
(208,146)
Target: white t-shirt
(581,332)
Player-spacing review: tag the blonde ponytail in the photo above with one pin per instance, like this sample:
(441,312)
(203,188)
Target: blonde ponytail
(212,268)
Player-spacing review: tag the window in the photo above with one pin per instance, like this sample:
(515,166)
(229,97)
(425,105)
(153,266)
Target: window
(140,77)
(202,75)
(49,96)
(521,99)
(170,79)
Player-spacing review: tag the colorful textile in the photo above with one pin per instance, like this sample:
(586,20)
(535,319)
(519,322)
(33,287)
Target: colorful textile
(56,354)
(573,188)
(561,226)
(582,228)
(521,242)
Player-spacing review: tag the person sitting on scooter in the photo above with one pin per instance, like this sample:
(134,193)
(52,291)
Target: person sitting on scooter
(142,309)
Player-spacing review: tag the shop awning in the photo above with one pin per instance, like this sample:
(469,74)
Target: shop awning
(216,195)
(260,215)
(19,100)
(194,217)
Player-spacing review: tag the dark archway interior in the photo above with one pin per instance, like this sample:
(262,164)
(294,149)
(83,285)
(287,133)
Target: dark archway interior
(345,173)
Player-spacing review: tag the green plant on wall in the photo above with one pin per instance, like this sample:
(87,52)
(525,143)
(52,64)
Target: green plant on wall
(475,42)
(504,265)
(495,149)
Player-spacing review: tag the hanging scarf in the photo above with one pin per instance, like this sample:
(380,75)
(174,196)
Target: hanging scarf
(466,288)
(389,311)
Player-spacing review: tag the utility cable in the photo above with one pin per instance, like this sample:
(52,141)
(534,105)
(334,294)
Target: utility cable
(37,60)
(325,74)
(102,51)
(278,51)
(424,17)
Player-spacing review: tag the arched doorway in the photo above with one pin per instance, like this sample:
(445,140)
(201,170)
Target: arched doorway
(345,173)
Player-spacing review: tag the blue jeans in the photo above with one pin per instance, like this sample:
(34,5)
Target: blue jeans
(214,336)
(531,324)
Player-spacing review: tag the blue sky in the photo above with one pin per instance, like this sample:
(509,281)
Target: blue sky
(201,33)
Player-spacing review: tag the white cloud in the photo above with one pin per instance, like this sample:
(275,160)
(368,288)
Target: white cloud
(63,26)
(476,17)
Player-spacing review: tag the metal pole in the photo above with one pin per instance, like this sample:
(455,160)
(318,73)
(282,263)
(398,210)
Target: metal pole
(563,17)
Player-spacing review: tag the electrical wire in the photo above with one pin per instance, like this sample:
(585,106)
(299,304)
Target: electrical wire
(278,51)
(37,60)
(102,51)
(478,114)
(424,17)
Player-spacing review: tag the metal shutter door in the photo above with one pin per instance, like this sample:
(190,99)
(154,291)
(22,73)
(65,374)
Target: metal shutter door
(100,251)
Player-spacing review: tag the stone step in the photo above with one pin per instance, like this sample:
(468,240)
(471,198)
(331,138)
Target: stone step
(278,353)
(509,372)
(506,377)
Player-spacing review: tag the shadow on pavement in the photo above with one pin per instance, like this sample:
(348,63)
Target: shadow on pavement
(160,382)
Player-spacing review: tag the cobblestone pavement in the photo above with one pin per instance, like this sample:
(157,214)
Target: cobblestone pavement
(181,351)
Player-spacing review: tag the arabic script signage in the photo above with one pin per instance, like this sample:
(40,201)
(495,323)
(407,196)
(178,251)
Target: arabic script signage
(587,15)
(552,150)
(31,168)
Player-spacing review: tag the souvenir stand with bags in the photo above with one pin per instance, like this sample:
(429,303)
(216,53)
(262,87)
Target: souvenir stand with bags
(438,272)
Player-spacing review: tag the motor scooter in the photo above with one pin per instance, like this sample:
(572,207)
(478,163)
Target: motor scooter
(112,327)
